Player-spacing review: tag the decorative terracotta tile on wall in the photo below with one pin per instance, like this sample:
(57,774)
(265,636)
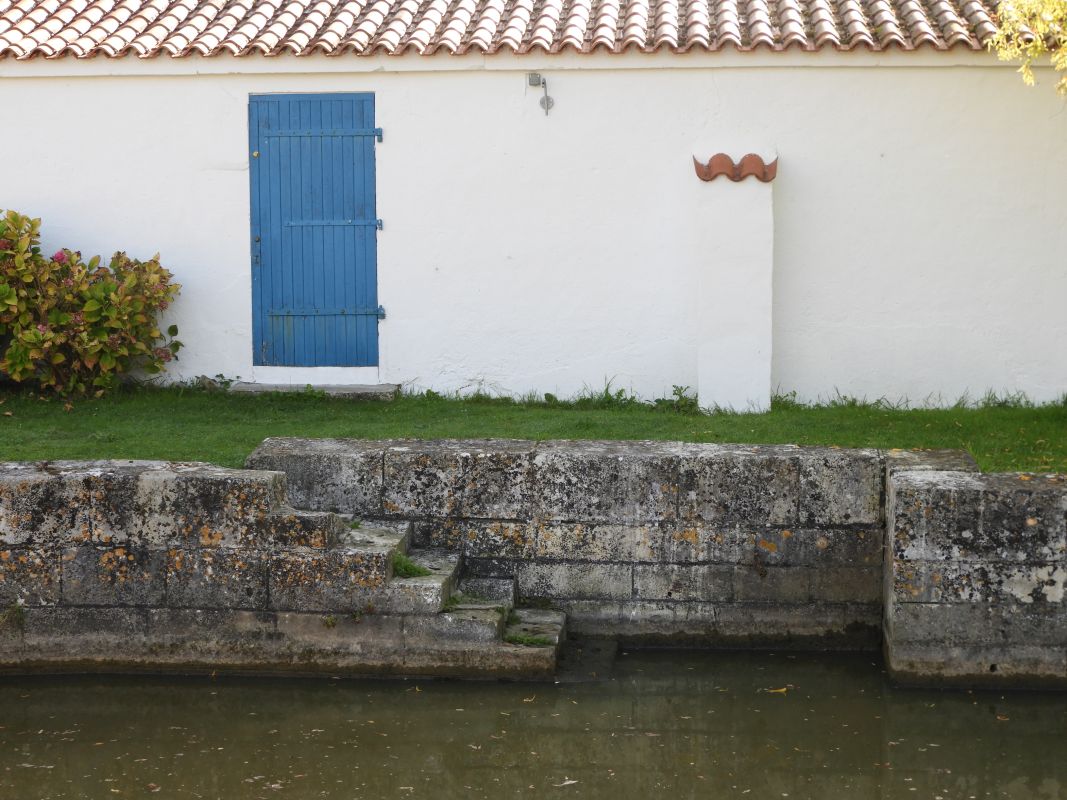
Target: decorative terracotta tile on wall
(750,166)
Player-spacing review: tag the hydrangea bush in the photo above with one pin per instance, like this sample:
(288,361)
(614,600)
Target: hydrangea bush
(74,327)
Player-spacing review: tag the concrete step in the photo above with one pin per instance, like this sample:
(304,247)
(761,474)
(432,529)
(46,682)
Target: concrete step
(451,627)
(347,577)
(532,627)
(494,591)
(468,600)
(378,391)
(385,539)
(422,594)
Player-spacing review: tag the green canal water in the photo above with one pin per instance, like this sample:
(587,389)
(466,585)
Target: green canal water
(673,725)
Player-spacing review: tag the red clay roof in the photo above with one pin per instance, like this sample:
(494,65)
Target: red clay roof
(147,28)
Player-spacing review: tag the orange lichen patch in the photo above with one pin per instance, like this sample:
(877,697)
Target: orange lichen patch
(115,565)
(770,547)
(822,543)
(516,534)
(689,535)
(5,555)
(786,534)
(1031,521)
(750,166)
(209,537)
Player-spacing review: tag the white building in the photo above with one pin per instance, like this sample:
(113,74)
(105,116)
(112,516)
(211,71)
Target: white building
(911,244)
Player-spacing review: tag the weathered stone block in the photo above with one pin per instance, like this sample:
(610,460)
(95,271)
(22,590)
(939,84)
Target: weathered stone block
(496,590)
(578,541)
(905,522)
(751,485)
(29,576)
(976,582)
(840,487)
(718,544)
(1007,664)
(977,578)
(852,584)
(643,621)
(607,482)
(422,594)
(291,528)
(122,575)
(966,517)
(897,460)
(548,628)
(342,475)
(203,506)
(354,633)
(60,627)
(420,483)
(491,567)
(1024,518)
(479,479)
(948,507)
(340,580)
(759,583)
(216,578)
(819,547)
(480,538)
(663,543)
(484,625)
(496,479)
(684,582)
(951,625)
(846,626)
(586,580)
(39,506)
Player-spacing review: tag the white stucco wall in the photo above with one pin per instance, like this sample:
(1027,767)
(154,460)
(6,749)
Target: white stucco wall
(918,211)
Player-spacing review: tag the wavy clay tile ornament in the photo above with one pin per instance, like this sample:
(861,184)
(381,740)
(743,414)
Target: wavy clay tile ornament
(750,166)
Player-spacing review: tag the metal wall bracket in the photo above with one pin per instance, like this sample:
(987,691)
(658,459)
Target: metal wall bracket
(538,80)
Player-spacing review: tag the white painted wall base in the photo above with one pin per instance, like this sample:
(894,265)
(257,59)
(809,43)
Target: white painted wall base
(316,376)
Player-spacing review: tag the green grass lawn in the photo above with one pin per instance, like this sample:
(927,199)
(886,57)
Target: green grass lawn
(186,424)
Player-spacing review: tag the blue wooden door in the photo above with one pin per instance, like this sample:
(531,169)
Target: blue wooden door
(314,230)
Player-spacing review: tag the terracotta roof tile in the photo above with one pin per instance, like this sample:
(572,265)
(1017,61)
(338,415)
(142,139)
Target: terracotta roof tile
(147,28)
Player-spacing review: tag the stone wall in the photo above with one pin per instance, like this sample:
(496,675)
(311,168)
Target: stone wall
(152,534)
(654,542)
(146,565)
(975,594)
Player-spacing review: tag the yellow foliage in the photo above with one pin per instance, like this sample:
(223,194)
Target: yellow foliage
(1031,30)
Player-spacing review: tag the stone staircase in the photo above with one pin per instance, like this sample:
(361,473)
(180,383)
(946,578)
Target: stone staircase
(132,566)
(442,612)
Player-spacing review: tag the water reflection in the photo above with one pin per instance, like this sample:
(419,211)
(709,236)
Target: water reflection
(665,725)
